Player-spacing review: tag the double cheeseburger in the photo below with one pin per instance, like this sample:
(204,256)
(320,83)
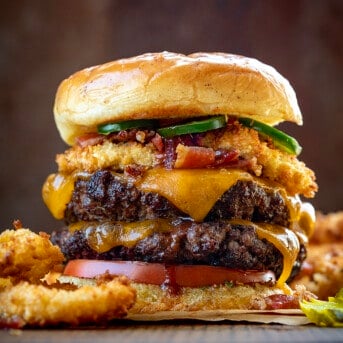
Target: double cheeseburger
(177,179)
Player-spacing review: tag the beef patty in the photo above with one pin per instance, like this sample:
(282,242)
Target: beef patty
(105,196)
(214,243)
(110,198)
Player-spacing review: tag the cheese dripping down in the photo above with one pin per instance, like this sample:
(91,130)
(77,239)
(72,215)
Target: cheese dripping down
(194,192)
(104,236)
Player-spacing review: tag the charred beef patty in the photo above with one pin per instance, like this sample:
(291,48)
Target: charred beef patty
(105,196)
(109,198)
(215,243)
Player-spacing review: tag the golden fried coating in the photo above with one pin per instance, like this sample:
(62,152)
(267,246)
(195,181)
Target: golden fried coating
(151,298)
(267,162)
(29,295)
(106,155)
(329,228)
(25,255)
(27,304)
(271,163)
(5,282)
(322,273)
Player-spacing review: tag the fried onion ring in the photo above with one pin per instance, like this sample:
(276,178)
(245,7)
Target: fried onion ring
(30,294)
(38,305)
(27,256)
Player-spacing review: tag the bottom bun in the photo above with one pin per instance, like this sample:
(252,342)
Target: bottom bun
(214,303)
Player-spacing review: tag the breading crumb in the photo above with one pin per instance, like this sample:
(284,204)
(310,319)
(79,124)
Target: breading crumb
(31,295)
(322,272)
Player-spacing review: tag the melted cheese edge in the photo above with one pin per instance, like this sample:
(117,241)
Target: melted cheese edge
(284,239)
(194,192)
(107,235)
(57,192)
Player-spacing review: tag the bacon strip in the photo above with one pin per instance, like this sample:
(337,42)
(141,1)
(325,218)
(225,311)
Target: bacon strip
(282,301)
(193,156)
(186,151)
(91,138)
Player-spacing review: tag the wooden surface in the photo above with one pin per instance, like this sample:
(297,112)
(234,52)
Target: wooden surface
(178,332)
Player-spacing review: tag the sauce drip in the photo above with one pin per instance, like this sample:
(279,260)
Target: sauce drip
(170,284)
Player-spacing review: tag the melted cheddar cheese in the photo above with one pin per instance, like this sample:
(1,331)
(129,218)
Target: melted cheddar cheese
(286,241)
(104,236)
(57,191)
(107,235)
(194,192)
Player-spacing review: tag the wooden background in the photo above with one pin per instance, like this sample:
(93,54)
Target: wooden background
(179,332)
(42,42)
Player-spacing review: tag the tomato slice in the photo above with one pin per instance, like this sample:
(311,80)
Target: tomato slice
(159,274)
(153,273)
(198,276)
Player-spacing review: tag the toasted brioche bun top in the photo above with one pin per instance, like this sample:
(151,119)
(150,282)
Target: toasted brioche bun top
(166,85)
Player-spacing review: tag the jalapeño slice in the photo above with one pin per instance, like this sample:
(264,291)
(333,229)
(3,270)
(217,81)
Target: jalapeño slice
(280,139)
(197,126)
(105,129)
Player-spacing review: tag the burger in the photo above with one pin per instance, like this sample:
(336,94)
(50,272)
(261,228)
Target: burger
(177,178)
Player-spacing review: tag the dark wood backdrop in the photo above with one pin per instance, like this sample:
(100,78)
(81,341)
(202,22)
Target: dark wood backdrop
(42,42)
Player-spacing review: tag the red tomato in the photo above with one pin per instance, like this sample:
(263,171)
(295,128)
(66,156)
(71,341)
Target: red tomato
(158,274)
(198,276)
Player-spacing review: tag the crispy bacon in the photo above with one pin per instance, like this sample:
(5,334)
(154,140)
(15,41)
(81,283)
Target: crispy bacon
(17,224)
(134,170)
(142,136)
(282,301)
(193,156)
(91,138)
(225,157)
(185,151)
(157,141)
(170,145)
